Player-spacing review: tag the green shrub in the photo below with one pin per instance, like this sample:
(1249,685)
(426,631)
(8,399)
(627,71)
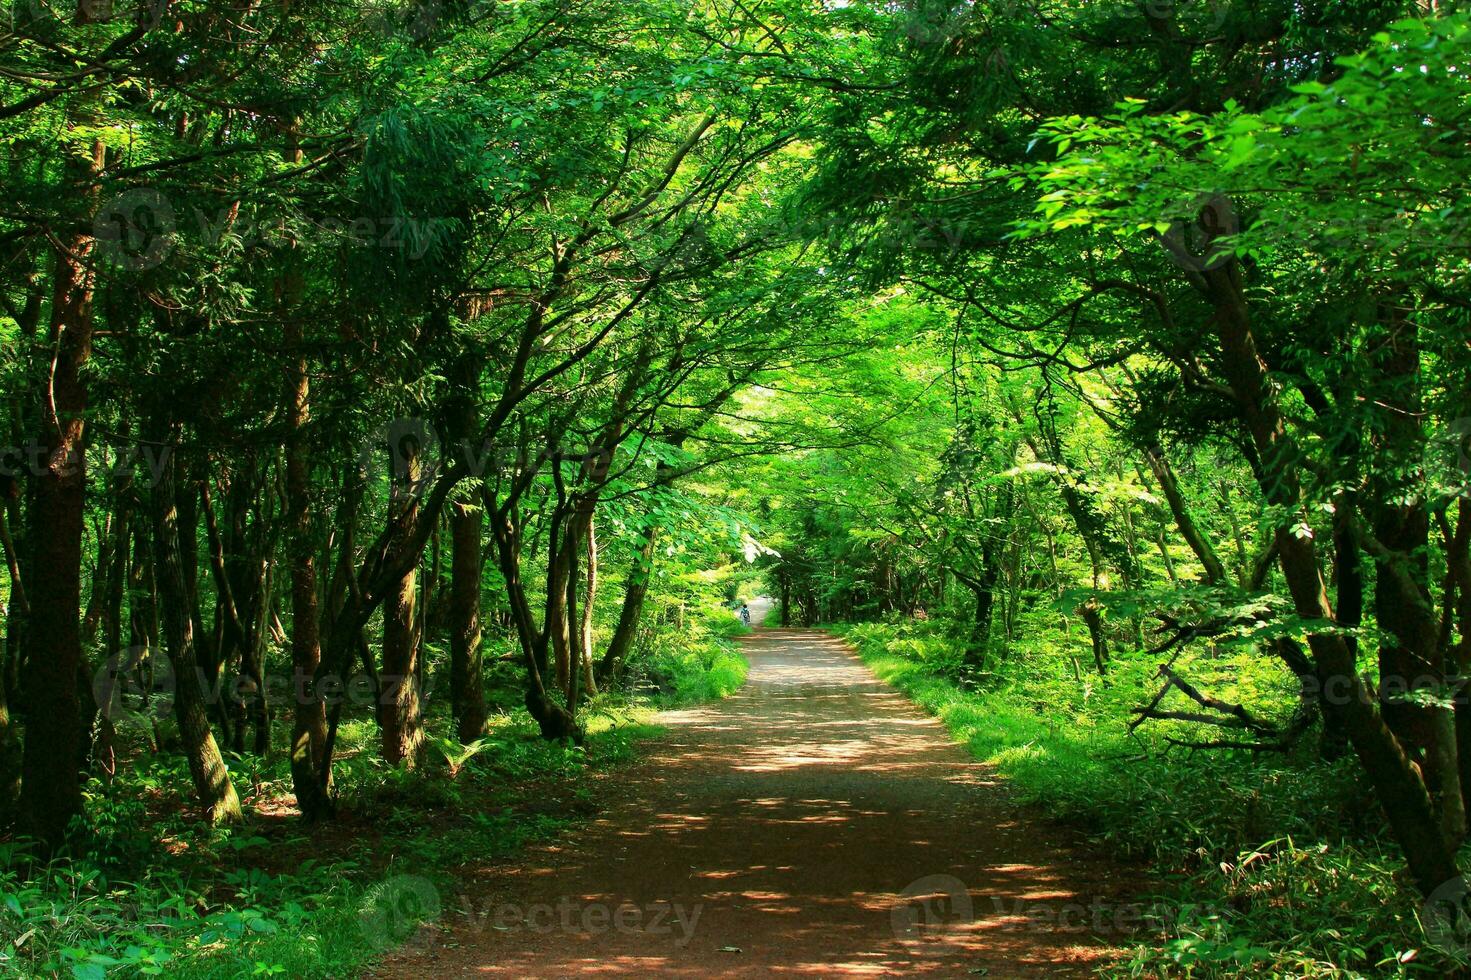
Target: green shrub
(1272,863)
(158,894)
(701,663)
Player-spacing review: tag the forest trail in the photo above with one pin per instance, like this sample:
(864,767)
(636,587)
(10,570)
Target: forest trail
(814,824)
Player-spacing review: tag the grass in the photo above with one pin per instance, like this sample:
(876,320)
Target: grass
(702,665)
(1269,865)
(151,892)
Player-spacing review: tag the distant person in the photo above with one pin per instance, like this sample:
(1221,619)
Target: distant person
(745,614)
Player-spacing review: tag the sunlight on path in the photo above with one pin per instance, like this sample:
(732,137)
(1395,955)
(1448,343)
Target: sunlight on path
(760,609)
(814,824)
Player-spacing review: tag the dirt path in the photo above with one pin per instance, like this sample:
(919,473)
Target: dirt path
(815,824)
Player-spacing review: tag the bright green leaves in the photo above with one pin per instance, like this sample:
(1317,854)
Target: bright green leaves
(1372,150)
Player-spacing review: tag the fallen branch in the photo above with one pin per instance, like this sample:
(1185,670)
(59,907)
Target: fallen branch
(1229,715)
(1300,724)
(1198,717)
(1235,710)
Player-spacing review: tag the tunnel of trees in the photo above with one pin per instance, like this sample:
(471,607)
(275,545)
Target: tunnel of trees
(399,367)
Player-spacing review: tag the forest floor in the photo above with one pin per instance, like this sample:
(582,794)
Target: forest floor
(815,823)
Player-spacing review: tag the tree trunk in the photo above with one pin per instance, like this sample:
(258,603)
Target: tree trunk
(400,712)
(239,588)
(25,420)
(17,609)
(786,597)
(559,583)
(466,692)
(1164,474)
(1458,568)
(211,779)
(637,589)
(309,714)
(1091,613)
(1349,592)
(590,594)
(980,630)
(103,754)
(51,781)
(467,560)
(1090,527)
(311,777)
(572,691)
(1397,782)
(1410,659)
(554,721)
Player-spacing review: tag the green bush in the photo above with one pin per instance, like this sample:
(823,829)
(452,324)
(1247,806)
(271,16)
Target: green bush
(157,894)
(701,663)
(1282,849)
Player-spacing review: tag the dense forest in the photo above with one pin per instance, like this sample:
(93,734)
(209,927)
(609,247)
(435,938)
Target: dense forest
(398,395)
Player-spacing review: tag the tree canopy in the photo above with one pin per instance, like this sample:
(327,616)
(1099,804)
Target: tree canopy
(1119,344)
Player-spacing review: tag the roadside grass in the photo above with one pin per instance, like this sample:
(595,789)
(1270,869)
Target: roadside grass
(150,892)
(1269,865)
(704,665)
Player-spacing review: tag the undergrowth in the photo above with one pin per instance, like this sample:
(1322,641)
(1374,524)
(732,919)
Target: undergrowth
(703,666)
(149,891)
(1270,864)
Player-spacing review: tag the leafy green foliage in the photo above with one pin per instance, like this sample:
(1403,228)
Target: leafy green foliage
(1321,898)
(1112,354)
(154,895)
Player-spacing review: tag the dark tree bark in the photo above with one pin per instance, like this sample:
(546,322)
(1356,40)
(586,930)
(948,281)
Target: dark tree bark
(1410,658)
(786,596)
(51,779)
(467,694)
(1164,474)
(10,748)
(554,720)
(309,712)
(1349,605)
(589,598)
(1458,607)
(113,580)
(311,773)
(1401,791)
(240,575)
(629,614)
(400,711)
(1091,528)
(466,685)
(211,779)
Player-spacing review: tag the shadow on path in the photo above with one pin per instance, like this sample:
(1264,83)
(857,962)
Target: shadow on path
(814,824)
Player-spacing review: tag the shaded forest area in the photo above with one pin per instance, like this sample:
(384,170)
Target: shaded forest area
(397,395)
